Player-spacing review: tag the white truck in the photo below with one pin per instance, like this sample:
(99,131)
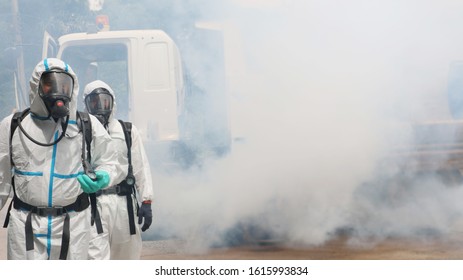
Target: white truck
(145,69)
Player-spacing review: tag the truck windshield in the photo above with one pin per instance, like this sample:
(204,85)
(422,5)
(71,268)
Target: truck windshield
(106,62)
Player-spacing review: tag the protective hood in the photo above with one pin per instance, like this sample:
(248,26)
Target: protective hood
(100,84)
(38,107)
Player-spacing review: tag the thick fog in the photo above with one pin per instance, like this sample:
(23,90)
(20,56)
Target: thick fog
(318,93)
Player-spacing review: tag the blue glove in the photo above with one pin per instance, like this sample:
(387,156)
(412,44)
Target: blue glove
(90,186)
(145,212)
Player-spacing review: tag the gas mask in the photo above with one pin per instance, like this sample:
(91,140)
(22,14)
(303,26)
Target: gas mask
(100,104)
(55,89)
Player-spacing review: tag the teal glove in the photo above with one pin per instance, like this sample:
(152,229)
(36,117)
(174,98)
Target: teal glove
(90,186)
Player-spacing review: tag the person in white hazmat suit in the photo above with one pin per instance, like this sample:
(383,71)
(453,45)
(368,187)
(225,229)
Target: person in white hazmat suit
(50,216)
(118,204)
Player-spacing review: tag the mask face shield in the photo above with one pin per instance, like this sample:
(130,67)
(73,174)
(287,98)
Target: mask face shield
(55,88)
(100,104)
(57,84)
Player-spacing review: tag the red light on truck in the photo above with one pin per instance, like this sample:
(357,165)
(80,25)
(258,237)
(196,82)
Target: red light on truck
(102,22)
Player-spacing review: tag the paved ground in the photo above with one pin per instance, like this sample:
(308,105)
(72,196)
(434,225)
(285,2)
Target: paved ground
(438,248)
(333,250)
(393,249)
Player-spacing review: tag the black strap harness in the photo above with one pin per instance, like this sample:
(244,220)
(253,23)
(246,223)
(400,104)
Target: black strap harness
(79,205)
(82,202)
(127,187)
(86,126)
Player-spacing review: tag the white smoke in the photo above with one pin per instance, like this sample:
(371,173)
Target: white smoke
(319,92)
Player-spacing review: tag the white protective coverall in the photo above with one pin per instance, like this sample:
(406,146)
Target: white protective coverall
(116,242)
(46,176)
